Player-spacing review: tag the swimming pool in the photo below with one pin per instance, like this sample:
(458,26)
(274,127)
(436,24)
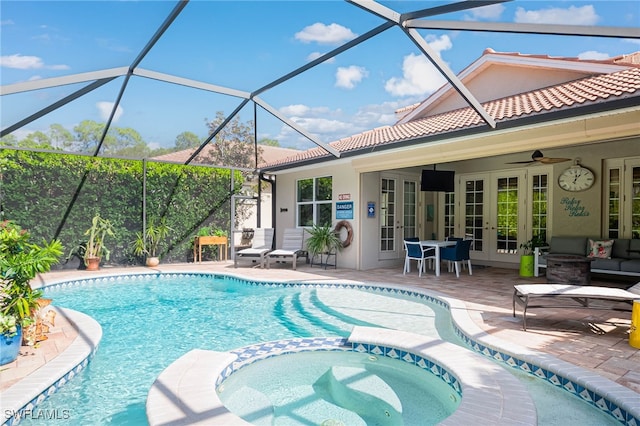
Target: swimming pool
(150,320)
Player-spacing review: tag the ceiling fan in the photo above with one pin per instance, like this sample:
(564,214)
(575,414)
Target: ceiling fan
(537,157)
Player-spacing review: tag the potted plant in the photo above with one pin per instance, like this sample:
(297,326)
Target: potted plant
(20,261)
(527,258)
(149,243)
(323,240)
(95,249)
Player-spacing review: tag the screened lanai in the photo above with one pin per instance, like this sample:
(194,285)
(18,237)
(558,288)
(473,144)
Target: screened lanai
(167,109)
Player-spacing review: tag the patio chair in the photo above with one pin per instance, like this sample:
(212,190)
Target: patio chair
(457,254)
(291,249)
(415,251)
(261,245)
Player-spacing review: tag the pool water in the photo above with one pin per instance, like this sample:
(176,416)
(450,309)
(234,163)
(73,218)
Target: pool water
(338,388)
(149,322)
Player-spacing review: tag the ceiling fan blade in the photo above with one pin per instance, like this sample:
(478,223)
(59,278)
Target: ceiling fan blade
(522,162)
(550,160)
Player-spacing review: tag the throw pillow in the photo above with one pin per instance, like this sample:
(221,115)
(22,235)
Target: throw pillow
(600,249)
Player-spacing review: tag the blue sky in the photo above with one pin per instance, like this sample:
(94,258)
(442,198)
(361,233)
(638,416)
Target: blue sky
(244,45)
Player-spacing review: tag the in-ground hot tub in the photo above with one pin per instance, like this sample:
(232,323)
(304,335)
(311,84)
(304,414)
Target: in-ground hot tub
(259,384)
(337,388)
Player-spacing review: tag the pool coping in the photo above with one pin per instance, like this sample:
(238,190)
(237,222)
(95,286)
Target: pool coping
(612,398)
(21,399)
(492,397)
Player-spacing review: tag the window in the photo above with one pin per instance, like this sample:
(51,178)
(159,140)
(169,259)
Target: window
(314,201)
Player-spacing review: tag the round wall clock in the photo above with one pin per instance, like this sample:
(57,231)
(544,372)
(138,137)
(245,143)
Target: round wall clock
(576,178)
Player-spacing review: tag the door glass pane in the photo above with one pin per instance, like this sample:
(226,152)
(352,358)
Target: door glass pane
(540,203)
(635,203)
(449,214)
(409,209)
(474,218)
(507,216)
(613,227)
(387,215)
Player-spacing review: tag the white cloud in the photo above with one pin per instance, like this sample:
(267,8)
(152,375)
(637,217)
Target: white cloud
(419,76)
(105,110)
(325,34)
(315,55)
(348,77)
(592,54)
(24,62)
(21,62)
(490,13)
(328,125)
(585,15)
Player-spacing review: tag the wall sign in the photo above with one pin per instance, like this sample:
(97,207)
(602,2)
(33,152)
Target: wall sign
(343,197)
(344,210)
(371,209)
(574,207)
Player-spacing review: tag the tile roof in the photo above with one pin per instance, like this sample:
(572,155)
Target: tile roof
(562,97)
(268,154)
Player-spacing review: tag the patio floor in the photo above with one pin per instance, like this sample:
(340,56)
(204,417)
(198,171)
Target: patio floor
(595,339)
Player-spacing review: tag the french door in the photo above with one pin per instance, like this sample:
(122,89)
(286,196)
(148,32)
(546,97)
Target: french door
(493,212)
(398,214)
(622,186)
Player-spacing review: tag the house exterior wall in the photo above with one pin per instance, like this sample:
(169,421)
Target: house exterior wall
(345,181)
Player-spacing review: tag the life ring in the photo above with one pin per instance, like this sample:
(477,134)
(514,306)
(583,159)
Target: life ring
(343,224)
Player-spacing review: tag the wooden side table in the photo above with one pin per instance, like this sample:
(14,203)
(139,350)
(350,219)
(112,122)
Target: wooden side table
(221,242)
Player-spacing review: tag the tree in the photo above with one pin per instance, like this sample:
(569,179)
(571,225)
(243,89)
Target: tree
(234,144)
(9,140)
(186,140)
(60,137)
(269,142)
(36,140)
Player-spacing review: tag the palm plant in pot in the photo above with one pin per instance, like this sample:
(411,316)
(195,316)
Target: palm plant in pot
(323,240)
(20,261)
(95,248)
(149,242)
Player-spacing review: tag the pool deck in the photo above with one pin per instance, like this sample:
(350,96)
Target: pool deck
(594,339)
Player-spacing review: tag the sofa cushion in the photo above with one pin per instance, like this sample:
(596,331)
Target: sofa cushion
(630,265)
(568,245)
(634,249)
(620,248)
(600,248)
(607,264)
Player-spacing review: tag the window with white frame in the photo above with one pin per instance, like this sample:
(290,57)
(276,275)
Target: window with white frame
(314,201)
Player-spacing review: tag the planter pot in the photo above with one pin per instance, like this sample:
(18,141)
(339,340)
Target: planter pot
(153,261)
(93,263)
(526,265)
(10,347)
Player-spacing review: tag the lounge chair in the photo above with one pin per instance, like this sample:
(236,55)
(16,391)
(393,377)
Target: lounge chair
(261,245)
(523,293)
(291,247)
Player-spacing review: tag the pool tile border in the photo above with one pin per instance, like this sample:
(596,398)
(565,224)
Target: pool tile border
(606,395)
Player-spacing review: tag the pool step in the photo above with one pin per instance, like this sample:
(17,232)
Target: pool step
(304,314)
(313,308)
(290,318)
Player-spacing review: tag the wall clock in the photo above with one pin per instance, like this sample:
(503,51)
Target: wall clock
(576,178)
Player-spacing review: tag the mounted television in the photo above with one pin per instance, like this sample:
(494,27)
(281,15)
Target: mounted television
(437,180)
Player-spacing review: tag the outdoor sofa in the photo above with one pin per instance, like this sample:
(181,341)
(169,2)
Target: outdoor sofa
(620,256)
